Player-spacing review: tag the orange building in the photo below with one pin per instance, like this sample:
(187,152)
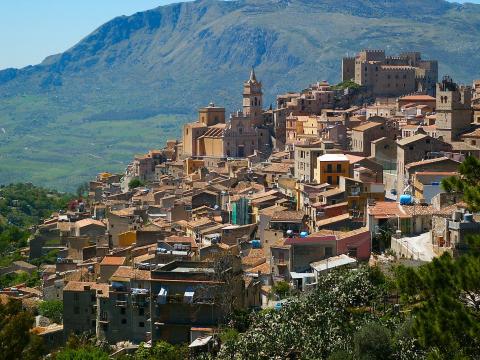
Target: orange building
(330,167)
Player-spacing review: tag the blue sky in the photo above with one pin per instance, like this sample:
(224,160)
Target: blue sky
(30,30)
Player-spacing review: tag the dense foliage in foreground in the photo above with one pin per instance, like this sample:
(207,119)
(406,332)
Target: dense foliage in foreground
(341,311)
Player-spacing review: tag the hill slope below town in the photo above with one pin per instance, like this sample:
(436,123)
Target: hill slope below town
(131,83)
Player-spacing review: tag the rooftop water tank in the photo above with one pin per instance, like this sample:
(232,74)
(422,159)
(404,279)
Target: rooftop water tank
(406,199)
(303,234)
(256,244)
(289,232)
(468,217)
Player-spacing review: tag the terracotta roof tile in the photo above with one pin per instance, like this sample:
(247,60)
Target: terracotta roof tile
(113,260)
(262,268)
(80,286)
(288,215)
(87,222)
(386,210)
(428,161)
(367,126)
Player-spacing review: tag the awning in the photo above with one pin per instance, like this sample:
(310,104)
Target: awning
(137,291)
(162,296)
(188,296)
(201,341)
(295,275)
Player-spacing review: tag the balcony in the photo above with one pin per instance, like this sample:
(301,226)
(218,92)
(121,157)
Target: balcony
(121,303)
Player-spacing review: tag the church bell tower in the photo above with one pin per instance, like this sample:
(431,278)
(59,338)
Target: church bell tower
(252,98)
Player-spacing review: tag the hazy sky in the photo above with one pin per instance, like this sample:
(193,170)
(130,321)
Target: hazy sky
(30,30)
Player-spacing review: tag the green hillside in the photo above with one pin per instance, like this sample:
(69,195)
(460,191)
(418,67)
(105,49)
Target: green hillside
(130,84)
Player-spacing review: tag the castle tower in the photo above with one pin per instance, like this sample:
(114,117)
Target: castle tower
(454,109)
(252,98)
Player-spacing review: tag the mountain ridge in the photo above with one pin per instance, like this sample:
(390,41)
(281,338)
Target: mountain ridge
(158,66)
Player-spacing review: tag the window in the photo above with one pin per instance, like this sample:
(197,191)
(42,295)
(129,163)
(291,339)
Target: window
(328,252)
(339,168)
(76,296)
(141,311)
(76,310)
(329,168)
(122,311)
(474,142)
(352,252)
(141,324)
(104,316)
(124,321)
(329,180)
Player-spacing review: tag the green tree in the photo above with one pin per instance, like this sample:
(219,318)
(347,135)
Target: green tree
(135,183)
(20,277)
(445,297)
(88,352)
(229,336)
(162,350)
(52,309)
(373,342)
(16,340)
(467,183)
(281,289)
(82,189)
(347,84)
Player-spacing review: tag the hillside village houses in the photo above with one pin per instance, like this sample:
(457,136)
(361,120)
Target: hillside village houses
(269,194)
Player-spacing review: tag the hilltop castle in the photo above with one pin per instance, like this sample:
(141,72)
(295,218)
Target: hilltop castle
(391,75)
(245,132)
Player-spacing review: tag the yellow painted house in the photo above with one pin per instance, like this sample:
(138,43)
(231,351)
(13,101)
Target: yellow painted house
(127,238)
(330,167)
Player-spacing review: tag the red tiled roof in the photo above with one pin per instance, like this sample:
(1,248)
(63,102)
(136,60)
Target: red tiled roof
(386,210)
(113,260)
(417,98)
